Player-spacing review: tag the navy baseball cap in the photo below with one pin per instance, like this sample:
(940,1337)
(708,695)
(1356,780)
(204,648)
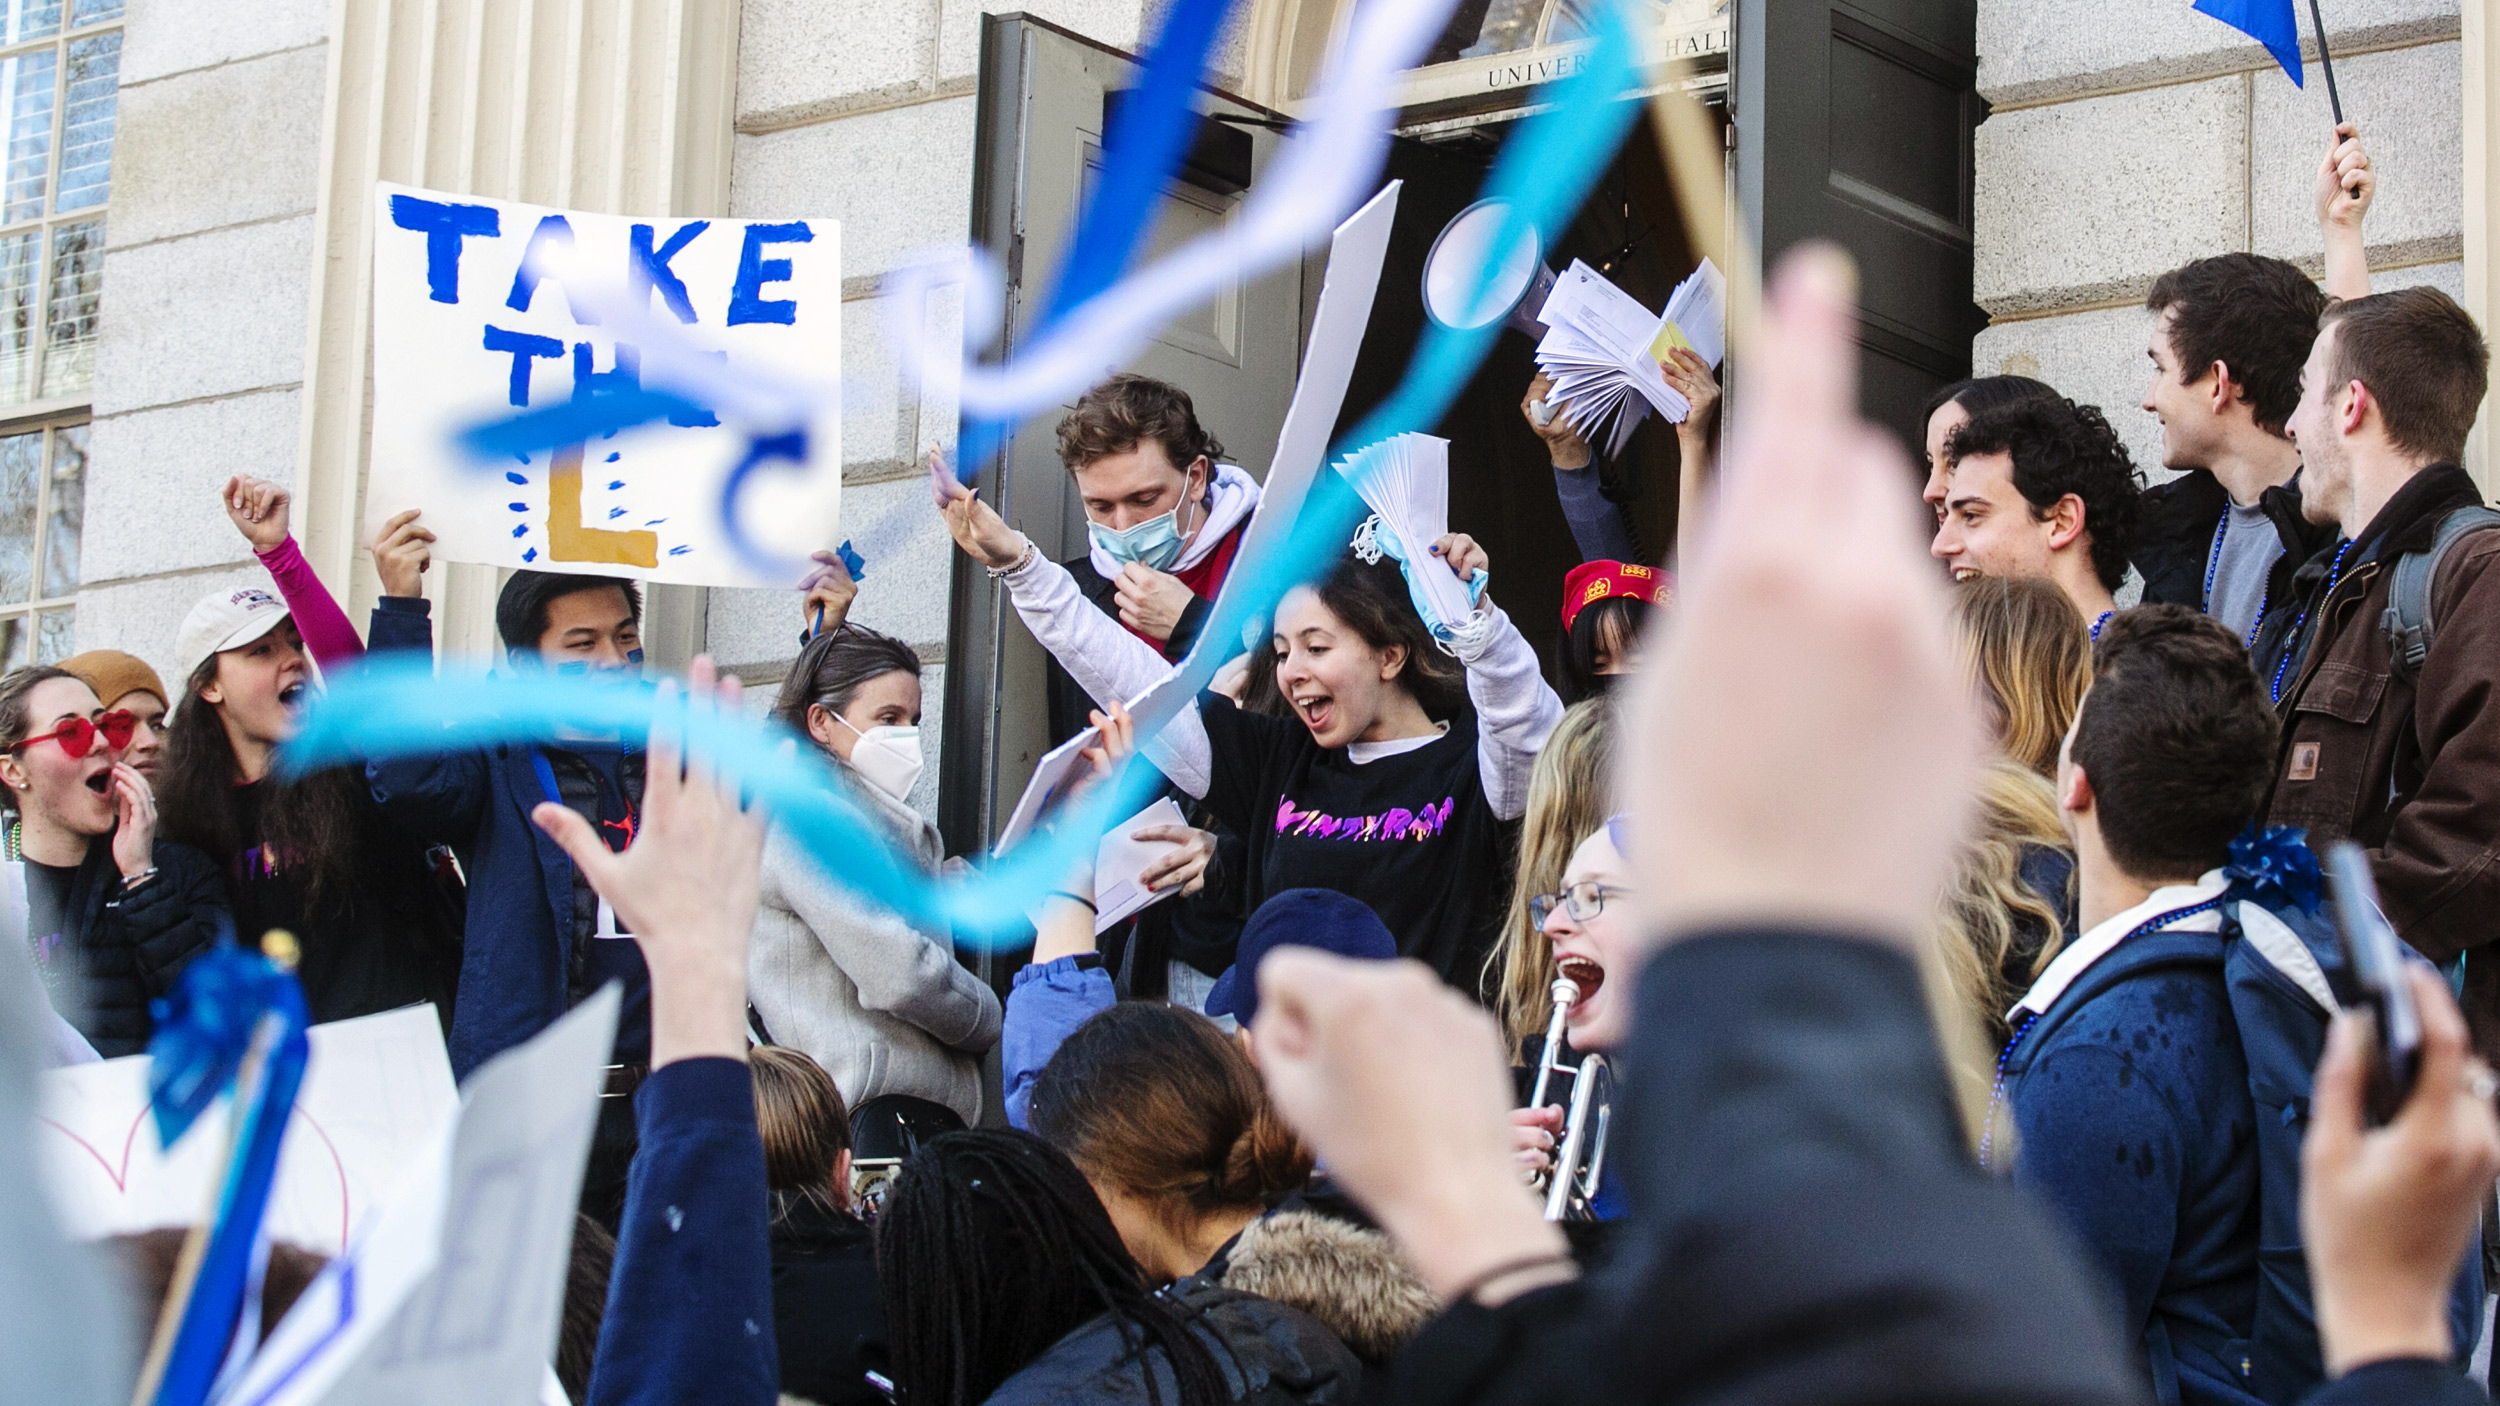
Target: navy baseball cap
(1321,918)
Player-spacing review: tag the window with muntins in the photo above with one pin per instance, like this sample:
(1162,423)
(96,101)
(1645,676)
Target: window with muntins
(60,76)
(43,478)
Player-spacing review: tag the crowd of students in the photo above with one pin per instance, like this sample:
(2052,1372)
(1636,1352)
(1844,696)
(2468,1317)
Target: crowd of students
(1954,936)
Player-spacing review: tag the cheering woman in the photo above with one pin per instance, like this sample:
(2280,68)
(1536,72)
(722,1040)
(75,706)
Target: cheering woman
(1404,767)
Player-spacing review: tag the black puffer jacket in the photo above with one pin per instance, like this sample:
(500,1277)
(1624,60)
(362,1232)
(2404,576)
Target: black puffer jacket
(1271,1355)
(129,947)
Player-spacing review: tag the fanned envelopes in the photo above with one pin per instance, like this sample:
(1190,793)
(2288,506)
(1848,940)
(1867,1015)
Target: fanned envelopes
(1602,348)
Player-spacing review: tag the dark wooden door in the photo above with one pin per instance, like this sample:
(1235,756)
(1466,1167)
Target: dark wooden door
(1854,123)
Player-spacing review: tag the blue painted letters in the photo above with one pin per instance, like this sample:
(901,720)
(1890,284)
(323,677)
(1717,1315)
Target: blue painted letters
(524,347)
(444,226)
(646,270)
(746,297)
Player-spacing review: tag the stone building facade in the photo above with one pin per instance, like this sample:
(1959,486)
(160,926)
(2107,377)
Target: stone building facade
(2118,148)
(230,333)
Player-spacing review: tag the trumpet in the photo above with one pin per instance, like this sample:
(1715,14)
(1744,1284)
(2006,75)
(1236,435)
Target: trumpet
(1580,1156)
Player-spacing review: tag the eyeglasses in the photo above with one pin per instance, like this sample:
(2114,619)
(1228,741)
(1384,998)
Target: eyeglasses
(1582,901)
(77,735)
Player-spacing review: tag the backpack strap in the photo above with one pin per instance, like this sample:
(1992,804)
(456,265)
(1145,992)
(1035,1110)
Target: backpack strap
(2407,620)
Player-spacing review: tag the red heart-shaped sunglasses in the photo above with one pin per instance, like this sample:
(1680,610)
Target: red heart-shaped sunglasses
(77,735)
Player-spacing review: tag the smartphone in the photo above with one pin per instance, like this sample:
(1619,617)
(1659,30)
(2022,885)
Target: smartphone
(2374,960)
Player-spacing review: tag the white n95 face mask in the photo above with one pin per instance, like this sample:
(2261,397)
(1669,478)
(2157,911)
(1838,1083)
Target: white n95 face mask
(889,757)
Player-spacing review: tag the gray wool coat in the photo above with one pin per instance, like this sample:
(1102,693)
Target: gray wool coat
(885,1008)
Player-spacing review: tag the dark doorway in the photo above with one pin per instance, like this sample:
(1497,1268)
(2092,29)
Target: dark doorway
(1501,478)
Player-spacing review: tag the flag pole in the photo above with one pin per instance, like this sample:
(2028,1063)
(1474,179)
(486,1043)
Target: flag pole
(2327,61)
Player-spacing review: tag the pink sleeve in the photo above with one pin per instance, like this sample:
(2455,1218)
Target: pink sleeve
(327,636)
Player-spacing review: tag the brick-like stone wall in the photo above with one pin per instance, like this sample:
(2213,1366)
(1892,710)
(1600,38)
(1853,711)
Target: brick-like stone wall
(201,335)
(2125,142)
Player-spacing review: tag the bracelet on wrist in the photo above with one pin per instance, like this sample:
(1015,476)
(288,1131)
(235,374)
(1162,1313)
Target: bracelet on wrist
(132,881)
(1023,560)
(1074,898)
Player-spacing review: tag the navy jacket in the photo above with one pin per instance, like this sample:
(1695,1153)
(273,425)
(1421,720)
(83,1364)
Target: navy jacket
(690,1302)
(1806,1224)
(2131,1100)
(518,946)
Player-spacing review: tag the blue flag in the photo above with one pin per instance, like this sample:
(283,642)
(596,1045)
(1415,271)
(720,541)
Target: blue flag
(2269,22)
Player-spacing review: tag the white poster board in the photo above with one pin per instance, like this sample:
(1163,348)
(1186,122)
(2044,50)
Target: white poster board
(453,1292)
(377,1092)
(473,321)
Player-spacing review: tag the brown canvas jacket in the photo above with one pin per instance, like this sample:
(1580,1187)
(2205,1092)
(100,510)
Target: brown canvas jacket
(2411,772)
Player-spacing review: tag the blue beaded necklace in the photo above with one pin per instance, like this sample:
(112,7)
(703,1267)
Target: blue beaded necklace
(2213,564)
(2274,691)
(1996,1096)
(2097,624)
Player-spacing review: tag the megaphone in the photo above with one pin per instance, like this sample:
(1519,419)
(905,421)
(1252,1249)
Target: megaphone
(1454,272)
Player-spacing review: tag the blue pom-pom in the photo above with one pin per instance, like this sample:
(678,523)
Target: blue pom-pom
(2273,865)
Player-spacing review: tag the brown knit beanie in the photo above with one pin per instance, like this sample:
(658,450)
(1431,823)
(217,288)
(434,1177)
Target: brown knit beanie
(112,674)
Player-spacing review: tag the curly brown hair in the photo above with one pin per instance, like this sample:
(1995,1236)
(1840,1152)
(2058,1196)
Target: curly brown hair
(1118,415)
(2059,447)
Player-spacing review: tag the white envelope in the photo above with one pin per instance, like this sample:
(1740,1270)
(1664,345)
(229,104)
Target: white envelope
(1120,859)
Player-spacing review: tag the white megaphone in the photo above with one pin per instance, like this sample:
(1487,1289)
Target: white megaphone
(1457,293)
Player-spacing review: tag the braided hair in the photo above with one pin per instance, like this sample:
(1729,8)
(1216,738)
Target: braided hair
(990,1248)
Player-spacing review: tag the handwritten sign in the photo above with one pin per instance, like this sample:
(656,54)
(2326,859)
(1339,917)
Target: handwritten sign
(483,308)
(378,1090)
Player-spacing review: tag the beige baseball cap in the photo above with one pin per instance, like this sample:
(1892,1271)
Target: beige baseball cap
(223,620)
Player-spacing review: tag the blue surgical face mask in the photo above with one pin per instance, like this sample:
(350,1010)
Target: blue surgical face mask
(1153,544)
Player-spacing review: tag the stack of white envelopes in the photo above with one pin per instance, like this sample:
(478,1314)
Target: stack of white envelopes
(1602,349)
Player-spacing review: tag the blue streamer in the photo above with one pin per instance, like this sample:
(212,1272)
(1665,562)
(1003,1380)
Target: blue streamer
(389,709)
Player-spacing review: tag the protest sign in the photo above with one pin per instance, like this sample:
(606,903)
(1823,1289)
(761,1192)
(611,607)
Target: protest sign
(452,1292)
(377,1091)
(483,309)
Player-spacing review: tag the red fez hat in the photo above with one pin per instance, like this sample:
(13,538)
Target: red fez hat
(1593,581)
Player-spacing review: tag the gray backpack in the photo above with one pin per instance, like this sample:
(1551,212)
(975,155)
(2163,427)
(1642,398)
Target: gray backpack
(2408,617)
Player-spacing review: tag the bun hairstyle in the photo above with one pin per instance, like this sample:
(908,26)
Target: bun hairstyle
(1153,1100)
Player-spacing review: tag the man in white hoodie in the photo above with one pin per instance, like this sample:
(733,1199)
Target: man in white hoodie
(1163,520)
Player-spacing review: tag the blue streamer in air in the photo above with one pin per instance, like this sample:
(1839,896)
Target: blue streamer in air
(389,709)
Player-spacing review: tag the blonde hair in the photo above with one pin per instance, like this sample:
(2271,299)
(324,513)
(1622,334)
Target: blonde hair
(1568,800)
(2030,660)
(1978,915)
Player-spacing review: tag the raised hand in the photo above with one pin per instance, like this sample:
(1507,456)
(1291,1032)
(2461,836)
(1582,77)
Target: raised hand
(258,510)
(134,830)
(1462,553)
(1569,451)
(982,533)
(1802,745)
(2387,1213)
(2346,184)
(687,887)
(402,550)
(1693,379)
(830,591)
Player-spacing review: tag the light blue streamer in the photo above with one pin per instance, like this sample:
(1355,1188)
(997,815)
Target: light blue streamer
(391,709)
